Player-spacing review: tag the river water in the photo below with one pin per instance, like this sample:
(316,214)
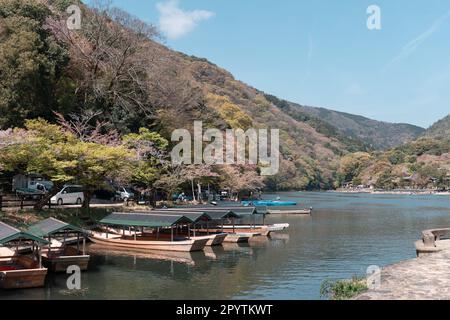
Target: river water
(345,234)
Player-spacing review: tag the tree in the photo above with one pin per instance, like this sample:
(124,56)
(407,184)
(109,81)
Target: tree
(31,63)
(239,179)
(150,152)
(170,181)
(197,172)
(59,156)
(108,66)
(351,165)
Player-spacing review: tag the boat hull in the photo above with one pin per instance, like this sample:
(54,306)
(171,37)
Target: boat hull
(237,238)
(60,259)
(21,273)
(258,230)
(61,263)
(269,203)
(181,246)
(23,279)
(214,239)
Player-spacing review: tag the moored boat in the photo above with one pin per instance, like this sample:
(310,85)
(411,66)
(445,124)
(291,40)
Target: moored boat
(58,256)
(17,271)
(145,242)
(268,203)
(142,237)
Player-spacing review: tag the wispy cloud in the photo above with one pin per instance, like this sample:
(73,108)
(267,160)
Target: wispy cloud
(309,57)
(175,23)
(411,46)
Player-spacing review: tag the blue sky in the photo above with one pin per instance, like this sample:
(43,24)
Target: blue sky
(320,52)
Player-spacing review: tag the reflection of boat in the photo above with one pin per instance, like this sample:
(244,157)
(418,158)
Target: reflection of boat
(280,236)
(59,256)
(180,257)
(145,240)
(16,271)
(239,247)
(268,203)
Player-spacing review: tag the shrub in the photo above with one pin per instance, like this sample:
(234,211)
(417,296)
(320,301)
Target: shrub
(343,289)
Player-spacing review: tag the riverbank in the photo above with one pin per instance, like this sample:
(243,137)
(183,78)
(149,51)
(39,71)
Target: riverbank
(75,216)
(394,192)
(424,278)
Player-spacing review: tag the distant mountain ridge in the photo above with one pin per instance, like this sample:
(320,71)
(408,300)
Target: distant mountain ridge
(377,134)
(440,129)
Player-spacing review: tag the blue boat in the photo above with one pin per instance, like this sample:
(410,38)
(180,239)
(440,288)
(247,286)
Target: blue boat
(268,203)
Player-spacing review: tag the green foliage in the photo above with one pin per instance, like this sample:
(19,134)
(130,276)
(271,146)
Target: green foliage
(323,127)
(149,147)
(31,61)
(231,113)
(351,166)
(343,289)
(58,156)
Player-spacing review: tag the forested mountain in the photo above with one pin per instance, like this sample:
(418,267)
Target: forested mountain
(440,129)
(116,68)
(377,134)
(422,163)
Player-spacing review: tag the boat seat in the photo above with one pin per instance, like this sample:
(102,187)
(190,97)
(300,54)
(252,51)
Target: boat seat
(8,268)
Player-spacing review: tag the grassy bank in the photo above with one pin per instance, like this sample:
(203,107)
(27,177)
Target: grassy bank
(75,216)
(343,289)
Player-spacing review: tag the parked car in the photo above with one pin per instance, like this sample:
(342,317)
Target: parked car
(125,194)
(69,195)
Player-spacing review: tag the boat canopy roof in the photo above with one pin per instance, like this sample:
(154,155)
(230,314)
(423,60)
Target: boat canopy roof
(212,214)
(51,226)
(145,219)
(260,210)
(8,234)
(194,216)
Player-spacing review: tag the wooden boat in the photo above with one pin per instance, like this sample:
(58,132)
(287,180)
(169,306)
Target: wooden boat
(293,211)
(139,225)
(58,256)
(213,239)
(268,203)
(191,232)
(258,230)
(16,271)
(238,237)
(147,242)
(172,256)
(21,272)
(225,217)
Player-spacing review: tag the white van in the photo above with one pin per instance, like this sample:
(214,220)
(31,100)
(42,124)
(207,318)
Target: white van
(69,195)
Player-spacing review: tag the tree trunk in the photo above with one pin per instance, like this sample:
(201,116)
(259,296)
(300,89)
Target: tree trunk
(200,198)
(87,201)
(153,198)
(46,198)
(193,190)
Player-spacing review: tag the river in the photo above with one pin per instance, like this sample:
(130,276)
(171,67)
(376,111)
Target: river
(345,234)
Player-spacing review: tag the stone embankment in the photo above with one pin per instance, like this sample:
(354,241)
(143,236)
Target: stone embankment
(425,278)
